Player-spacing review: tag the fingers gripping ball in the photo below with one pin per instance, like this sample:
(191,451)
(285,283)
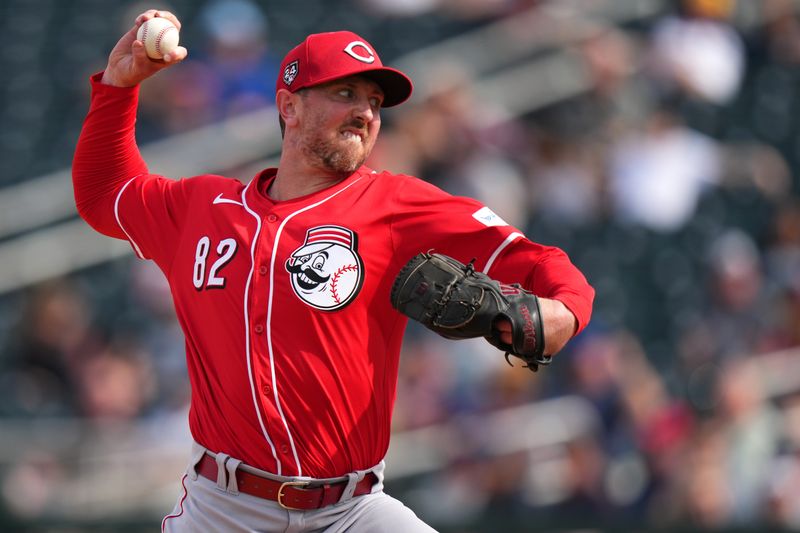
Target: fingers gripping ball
(159,36)
(457,302)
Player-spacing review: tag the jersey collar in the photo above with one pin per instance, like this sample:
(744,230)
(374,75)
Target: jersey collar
(255,194)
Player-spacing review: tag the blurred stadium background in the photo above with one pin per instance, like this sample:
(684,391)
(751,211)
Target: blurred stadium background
(655,141)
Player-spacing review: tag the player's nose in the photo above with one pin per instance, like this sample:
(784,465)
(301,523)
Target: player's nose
(363,110)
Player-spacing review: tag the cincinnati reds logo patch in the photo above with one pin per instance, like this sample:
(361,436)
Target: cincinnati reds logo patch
(326,272)
(290,72)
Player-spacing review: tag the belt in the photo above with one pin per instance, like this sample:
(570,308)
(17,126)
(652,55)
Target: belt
(292,495)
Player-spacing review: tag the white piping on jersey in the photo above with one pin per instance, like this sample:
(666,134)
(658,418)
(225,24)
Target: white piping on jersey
(269,311)
(269,307)
(220,200)
(136,248)
(511,238)
(247,328)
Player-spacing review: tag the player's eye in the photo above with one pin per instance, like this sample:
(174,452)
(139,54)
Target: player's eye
(375,101)
(347,93)
(318,263)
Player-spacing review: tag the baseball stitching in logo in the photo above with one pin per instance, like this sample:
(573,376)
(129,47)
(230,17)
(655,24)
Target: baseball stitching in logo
(326,272)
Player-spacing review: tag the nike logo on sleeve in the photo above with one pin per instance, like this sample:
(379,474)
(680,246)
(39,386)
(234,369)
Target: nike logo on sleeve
(220,200)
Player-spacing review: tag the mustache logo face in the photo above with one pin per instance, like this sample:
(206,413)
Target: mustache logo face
(307,278)
(325,272)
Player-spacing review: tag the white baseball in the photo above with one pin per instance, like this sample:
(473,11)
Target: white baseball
(159,36)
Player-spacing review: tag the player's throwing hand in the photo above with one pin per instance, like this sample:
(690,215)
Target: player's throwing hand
(128,64)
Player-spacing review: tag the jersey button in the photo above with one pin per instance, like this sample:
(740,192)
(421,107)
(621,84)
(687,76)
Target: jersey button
(259,329)
(272,218)
(263,270)
(267,389)
(284,449)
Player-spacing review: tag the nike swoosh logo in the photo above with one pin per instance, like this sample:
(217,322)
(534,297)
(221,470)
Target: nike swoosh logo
(220,200)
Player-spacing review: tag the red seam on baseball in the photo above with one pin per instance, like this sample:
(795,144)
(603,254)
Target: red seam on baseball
(335,280)
(159,37)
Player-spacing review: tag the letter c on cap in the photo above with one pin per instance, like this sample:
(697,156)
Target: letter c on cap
(349,49)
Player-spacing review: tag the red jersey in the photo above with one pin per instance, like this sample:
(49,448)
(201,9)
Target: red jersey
(292,344)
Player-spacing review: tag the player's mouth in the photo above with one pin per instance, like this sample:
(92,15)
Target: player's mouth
(350,134)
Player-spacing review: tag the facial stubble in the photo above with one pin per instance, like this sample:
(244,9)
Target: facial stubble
(335,154)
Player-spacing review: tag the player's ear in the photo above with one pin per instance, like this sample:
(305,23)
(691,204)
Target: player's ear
(286,103)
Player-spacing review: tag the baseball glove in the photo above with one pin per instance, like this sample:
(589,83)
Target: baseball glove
(457,302)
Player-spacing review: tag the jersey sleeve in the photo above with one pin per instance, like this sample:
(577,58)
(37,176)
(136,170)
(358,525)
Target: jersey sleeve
(425,218)
(429,219)
(546,271)
(114,192)
(150,210)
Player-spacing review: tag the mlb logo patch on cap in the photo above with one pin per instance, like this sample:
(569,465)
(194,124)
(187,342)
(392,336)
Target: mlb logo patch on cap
(290,72)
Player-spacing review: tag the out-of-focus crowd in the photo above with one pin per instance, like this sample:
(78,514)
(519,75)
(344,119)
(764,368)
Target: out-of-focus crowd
(671,182)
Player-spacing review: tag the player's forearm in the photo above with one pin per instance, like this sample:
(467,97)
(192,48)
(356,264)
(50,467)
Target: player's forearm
(559,324)
(550,274)
(567,285)
(106,156)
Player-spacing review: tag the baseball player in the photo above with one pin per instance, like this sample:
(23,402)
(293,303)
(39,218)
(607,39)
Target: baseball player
(283,287)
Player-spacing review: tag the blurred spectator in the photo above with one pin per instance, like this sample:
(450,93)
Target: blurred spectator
(736,319)
(160,335)
(698,53)
(704,496)
(783,254)
(56,335)
(782,31)
(460,9)
(426,382)
(565,185)
(238,53)
(434,136)
(782,507)
(659,173)
(751,435)
(595,373)
(739,310)
(584,477)
(115,385)
(756,168)
(30,486)
(399,8)
(571,139)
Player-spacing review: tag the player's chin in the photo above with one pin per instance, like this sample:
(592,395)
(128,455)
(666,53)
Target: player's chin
(347,159)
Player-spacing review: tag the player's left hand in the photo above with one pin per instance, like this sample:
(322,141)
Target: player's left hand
(559,325)
(457,302)
(503,328)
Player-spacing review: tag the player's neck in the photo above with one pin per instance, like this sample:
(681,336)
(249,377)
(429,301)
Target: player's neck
(295,179)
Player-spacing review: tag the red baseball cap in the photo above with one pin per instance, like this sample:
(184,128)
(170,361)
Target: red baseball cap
(325,57)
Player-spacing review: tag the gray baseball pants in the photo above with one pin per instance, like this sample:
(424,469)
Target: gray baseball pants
(205,506)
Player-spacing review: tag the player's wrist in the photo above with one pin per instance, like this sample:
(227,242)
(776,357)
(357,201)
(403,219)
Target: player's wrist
(109,77)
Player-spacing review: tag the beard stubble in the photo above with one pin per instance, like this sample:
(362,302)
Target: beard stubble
(334,154)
